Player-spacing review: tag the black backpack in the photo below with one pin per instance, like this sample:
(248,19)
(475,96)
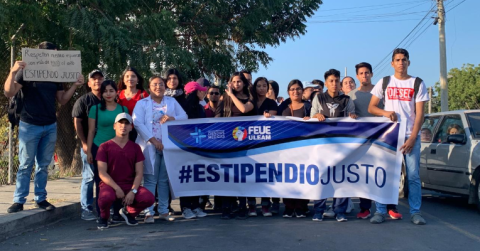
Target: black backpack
(15,106)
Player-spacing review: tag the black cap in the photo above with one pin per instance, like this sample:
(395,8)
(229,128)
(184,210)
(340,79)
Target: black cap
(90,75)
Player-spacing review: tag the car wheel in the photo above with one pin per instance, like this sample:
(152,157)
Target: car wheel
(403,190)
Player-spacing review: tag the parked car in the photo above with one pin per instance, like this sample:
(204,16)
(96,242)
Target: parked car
(450,154)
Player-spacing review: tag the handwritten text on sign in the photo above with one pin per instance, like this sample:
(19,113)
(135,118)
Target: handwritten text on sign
(51,65)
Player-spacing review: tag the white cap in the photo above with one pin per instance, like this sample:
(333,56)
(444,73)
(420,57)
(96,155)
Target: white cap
(123,115)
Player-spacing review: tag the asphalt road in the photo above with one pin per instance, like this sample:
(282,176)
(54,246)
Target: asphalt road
(451,225)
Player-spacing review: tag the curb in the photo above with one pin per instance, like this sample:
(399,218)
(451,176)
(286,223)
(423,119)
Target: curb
(29,220)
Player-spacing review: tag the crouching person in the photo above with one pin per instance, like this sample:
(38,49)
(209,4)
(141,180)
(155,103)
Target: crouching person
(120,166)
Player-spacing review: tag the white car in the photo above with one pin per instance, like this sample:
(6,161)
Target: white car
(450,154)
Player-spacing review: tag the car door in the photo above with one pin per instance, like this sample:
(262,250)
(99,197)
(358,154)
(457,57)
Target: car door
(426,138)
(447,162)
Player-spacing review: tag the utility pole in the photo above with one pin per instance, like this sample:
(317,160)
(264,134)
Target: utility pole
(346,71)
(430,101)
(443,56)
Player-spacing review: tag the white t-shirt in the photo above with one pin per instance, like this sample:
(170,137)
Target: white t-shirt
(399,98)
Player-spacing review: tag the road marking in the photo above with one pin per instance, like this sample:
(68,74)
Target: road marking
(459,230)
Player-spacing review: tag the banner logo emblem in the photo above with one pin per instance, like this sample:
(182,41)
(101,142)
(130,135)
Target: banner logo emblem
(239,133)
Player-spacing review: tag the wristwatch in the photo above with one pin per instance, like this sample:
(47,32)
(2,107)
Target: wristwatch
(134,191)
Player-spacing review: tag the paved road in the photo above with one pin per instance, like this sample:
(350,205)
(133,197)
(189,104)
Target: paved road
(452,225)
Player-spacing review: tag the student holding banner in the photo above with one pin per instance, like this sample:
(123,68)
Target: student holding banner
(266,107)
(101,118)
(37,130)
(332,104)
(237,101)
(195,92)
(148,116)
(131,90)
(295,106)
(404,97)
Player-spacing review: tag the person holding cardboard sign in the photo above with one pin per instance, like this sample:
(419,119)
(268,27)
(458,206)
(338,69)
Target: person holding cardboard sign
(37,132)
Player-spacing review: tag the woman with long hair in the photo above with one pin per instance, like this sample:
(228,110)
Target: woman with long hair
(266,107)
(295,106)
(100,129)
(148,117)
(174,86)
(237,101)
(131,90)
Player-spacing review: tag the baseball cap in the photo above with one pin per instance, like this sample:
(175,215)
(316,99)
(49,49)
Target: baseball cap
(123,115)
(194,86)
(203,82)
(90,75)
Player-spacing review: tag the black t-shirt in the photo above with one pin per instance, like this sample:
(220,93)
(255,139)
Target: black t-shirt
(268,104)
(299,113)
(38,101)
(333,107)
(81,108)
(235,111)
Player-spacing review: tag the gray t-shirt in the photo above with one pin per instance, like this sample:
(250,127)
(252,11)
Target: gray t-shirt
(361,101)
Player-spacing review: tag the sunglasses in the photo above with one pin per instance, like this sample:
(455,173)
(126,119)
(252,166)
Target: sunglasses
(214,93)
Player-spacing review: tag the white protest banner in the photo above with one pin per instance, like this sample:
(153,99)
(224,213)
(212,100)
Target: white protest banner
(51,65)
(285,157)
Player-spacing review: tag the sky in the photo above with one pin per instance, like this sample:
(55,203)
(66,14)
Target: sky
(343,33)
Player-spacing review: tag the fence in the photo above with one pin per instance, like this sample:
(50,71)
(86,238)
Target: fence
(66,161)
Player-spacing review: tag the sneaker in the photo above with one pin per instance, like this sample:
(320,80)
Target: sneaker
(16,207)
(208,204)
(350,206)
(199,213)
(88,215)
(288,213)
(364,214)
(341,218)
(149,219)
(171,211)
(225,214)
(102,223)
(128,218)
(377,218)
(317,217)
(300,213)
(252,211)
(329,213)
(275,209)
(188,214)
(417,219)
(116,218)
(45,205)
(166,217)
(242,214)
(394,214)
(266,212)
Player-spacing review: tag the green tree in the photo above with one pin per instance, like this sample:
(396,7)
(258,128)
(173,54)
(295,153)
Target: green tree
(200,38)
(463,88)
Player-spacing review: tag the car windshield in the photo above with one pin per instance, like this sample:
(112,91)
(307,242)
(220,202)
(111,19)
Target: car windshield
(474,121)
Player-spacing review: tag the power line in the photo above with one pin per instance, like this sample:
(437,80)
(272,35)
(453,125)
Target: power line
(455,6)
(376,5)
(421,21)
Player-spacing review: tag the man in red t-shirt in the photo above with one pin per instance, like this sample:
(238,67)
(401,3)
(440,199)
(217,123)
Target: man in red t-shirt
(120,166)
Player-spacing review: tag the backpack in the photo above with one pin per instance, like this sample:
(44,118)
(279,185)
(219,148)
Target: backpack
(15,106)
(416,86)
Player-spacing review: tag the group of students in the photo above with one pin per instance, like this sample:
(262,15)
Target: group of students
(119,125)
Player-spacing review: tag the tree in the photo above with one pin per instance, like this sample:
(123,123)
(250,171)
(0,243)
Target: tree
(463,91)
(200,38)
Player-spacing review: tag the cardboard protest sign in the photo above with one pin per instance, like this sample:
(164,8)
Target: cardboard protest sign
(51,65)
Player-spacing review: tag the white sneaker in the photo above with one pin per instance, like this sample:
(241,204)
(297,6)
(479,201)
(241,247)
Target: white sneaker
(329,213)
(166,217)
(199,212)
(149,219)
(350,206)
(188,214)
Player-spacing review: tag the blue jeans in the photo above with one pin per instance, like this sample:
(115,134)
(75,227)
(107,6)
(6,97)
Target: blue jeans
(86,189)
(158,179)
(36,144)
(339,205)
(412,166)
